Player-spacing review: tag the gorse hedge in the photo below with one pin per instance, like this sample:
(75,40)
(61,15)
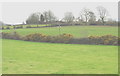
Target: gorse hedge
(13,35)
(64,38)
(35,37)
(106,39)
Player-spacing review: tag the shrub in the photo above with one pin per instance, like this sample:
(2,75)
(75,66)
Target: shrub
(2,28)
(106,39)
(13,35)
(64,38)
(6,35)
(81,41)
(28,26)
(19,27)
(35,37)
(7,27)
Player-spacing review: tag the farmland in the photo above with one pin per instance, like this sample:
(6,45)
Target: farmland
(76,31)
(24,26)
(52,58)
(59,38)
(34,58)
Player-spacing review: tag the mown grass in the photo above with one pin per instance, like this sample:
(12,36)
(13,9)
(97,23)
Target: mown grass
(76,31)
(21,57)
(0,56)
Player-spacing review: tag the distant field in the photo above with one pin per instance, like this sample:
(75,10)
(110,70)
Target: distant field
(24,26)
(22,57)
(76,31)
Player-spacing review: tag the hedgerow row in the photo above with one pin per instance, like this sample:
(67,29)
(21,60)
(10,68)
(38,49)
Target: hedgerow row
(64,38)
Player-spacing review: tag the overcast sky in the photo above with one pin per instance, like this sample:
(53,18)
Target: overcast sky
(17,12)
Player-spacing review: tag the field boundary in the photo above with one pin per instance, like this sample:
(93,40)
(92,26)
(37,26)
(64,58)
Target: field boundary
(54,25)
(64,38)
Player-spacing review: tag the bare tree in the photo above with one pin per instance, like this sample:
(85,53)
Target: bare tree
(80,18)
(102,13)
(45,14)
(38,14)
(92,17)
(69,17)
(42,18)
(86,14)
(49,16)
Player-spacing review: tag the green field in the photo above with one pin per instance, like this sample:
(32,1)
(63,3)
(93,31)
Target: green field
(24,26)
(22,57)
(76,31)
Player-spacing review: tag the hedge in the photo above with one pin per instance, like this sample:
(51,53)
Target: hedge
(64,38)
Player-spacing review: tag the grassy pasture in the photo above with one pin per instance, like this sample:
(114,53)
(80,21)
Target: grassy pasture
(22,57)
(24,26)
(76,31)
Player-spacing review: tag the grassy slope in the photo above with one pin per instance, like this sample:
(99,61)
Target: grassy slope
(31,57)
(0,56)
(77,31)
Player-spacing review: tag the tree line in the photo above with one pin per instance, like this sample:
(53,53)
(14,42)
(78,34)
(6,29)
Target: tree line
(86,16)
